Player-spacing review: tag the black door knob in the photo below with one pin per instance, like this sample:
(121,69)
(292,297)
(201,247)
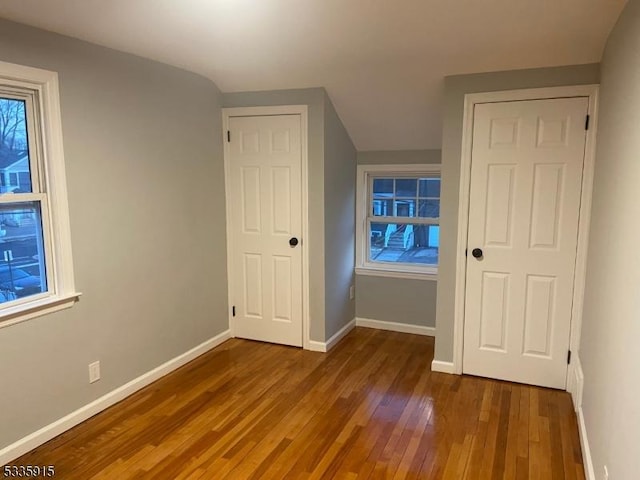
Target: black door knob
(476,252)
(293,241)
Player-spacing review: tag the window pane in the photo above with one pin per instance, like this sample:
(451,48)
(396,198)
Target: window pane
(383,187)
(14,147)
(429,209)
(406,187)
(377,234)
(396,243)
(433,236)
(382,208)
(430,187)
(22,266)
(405,208)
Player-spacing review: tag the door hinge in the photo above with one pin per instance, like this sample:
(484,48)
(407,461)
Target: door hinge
(233,311)
(586,122)
(229,136)
(569,357)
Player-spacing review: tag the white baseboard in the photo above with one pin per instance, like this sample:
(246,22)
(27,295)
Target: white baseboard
(329,344)
(28,443)
(586,451)
(575,381)
(575,386)
(442,367)
(368,323)
(317,346)
(396,327)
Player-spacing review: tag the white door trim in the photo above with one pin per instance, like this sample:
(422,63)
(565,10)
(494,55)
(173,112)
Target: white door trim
(301,110)
(470,101)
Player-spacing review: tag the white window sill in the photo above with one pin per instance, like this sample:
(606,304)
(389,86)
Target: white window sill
(27,311)
(383,272)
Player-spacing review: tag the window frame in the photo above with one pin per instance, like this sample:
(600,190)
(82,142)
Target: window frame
(363,201)
(40,89)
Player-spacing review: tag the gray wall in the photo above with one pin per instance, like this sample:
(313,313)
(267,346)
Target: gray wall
(398,157)
(397,300)
(339,221)
(146,199)
(611,327)
(455,89)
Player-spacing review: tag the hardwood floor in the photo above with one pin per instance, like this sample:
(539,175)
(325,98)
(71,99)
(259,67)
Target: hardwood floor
(371,408)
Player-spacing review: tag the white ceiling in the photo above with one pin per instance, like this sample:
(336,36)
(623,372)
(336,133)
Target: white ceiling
(382,61)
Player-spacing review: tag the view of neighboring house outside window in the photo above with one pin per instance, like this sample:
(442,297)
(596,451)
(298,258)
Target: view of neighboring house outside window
(398,219)
(14,168)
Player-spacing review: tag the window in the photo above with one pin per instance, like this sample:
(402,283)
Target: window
(36,274)
(398,220)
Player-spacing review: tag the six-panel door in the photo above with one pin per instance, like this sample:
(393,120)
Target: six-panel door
(526,178)
(264,161)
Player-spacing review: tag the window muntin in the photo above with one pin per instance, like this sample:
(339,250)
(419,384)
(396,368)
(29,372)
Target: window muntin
(400,216)
(405,197)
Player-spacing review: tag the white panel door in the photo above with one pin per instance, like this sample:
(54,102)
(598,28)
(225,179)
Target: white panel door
(526,179)
(264,162)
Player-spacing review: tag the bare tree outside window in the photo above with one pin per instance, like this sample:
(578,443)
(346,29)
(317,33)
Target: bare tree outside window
(13,126)
(14,147)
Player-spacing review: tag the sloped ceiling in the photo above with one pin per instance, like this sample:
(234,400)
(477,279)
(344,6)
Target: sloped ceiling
(382,61)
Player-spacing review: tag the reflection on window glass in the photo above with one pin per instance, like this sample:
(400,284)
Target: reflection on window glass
(383,187)
(429,208)
(22,269)
(406,187)
(15,175)
(430,187)
(404,243)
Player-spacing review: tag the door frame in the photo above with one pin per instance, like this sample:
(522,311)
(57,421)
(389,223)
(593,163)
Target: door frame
(470,101)
(302,111)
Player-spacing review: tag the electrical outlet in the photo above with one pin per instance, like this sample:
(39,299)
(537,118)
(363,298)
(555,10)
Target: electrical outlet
(94,372)
(352,292)
(606,473)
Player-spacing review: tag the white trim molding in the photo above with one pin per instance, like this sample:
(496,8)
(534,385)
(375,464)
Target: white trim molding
(369,323)
(54,429)
(396,327)
(332,342)
(470,101)
(393,274)
(575,381)
(40,91)
(37,308)
(586,450)
(442,367)
(302,111)
(575,386)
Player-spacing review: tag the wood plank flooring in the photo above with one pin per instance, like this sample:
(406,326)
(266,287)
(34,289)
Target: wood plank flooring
(369,409)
